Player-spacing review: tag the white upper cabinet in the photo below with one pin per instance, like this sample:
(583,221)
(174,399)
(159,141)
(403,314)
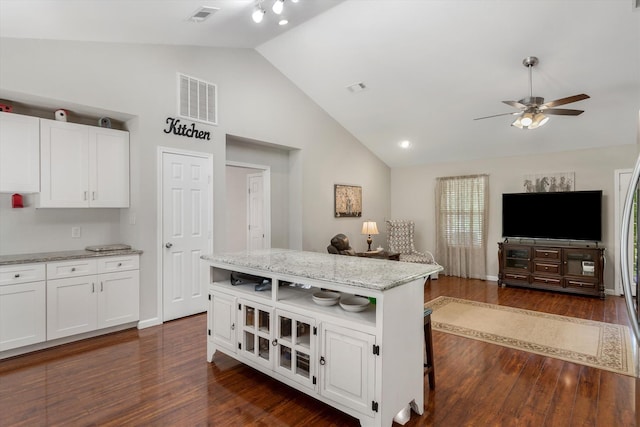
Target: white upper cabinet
(108,168)
(19,153)
(83,166)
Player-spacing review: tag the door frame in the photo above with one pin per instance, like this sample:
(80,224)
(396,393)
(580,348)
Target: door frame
(266,192)
(618,197)
(159,224)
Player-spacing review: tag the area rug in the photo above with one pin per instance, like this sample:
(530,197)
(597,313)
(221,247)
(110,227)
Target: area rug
(586,342)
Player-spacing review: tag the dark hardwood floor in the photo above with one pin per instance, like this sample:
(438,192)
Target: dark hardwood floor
(159,377)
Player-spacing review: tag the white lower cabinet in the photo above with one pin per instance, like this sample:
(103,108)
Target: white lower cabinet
(83,302)
(43,302)
(347,366)
(22,305)
(334,361)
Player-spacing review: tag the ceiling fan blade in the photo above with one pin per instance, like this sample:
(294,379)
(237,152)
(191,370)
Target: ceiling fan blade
(498,115)
(515,104)
(562,112)
(562,101)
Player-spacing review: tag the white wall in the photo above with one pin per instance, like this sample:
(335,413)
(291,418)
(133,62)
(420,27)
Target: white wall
(413,191)
(137,84)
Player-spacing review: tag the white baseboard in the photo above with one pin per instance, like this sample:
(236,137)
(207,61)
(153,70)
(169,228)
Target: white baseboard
(147,323)
(492,278)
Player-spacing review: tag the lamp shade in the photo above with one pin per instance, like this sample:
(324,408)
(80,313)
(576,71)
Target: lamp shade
(369,227)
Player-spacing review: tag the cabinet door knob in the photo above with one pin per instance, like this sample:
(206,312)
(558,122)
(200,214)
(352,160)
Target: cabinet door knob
(168,245)
(73,269)
(322,361)
(233,326)
(274,342)
(119,264)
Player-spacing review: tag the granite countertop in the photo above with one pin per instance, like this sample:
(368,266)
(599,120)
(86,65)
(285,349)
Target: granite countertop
(61,256)
(369,273)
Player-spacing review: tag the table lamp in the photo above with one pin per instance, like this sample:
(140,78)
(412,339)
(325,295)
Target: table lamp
(369,227)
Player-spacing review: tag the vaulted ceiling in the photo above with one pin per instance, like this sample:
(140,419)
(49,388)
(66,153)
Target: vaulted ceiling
(428,67)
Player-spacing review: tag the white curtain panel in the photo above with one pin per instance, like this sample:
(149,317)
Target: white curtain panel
(462,211)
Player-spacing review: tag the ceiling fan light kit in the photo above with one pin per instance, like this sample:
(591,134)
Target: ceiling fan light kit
(534,111)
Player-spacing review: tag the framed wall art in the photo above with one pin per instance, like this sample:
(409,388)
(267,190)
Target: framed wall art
(549,182)
(348,201)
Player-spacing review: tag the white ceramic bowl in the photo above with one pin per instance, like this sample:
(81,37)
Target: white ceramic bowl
(326,298)
(354,303)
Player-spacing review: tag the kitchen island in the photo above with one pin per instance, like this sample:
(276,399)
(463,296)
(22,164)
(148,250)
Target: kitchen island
(367,363)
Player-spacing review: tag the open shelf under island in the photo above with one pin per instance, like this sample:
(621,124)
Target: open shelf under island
(368,363)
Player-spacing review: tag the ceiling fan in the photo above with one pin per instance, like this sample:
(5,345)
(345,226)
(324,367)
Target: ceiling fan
(533,110)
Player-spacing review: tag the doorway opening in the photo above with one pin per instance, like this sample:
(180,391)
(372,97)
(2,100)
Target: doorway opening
(622,179)
(248,201)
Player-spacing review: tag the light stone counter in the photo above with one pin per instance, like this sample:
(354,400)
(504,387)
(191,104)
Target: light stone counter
(61,256)
(369,273)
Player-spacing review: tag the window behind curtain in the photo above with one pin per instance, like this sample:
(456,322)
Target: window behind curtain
(462,209)
(462,216)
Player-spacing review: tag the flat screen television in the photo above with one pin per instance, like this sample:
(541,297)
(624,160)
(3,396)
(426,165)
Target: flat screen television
(571,215)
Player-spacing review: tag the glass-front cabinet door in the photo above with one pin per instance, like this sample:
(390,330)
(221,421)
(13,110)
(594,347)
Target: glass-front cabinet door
(517,257)
(255,343)
(581,262)
(295,347)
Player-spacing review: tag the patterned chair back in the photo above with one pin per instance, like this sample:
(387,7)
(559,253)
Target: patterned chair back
(400,236)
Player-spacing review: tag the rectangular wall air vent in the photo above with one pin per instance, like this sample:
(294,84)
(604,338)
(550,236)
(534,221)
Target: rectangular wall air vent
(197,100)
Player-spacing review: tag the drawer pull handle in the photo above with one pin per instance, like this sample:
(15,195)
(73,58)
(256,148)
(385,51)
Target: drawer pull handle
(73,269)
(119,264)
(16,275)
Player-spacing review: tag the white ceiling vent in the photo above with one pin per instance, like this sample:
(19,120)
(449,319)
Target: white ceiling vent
(356,87)
(202,13)
(197,100)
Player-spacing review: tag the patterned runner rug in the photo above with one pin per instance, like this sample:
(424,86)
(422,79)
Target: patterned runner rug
(586,342)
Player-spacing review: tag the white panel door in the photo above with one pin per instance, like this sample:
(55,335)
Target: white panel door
(109,168)
(255,211)
(64,164)
(186,195)
(19,153)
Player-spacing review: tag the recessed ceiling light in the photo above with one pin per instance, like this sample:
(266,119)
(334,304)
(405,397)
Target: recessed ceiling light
(283,22)
(405,144)
(202,13)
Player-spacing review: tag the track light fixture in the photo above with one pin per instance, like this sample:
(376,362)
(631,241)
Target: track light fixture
(278,7)
(258,13)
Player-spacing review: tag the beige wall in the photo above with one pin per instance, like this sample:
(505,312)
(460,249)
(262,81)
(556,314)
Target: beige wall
(137,85)
(413,191)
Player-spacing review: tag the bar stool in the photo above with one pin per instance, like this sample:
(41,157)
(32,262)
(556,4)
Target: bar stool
(428,344)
